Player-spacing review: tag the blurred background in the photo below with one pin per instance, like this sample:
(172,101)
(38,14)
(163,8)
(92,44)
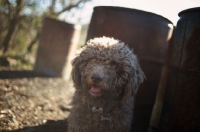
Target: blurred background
(21,22)
(38,38)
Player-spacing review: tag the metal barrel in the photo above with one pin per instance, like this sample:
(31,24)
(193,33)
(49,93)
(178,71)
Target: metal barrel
(57,44)
(148,34)
(181,110)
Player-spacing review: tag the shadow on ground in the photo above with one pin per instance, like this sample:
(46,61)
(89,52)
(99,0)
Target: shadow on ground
(49,126)
(11,74)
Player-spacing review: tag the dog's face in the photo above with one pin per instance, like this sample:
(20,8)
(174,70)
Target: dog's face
(100,76)
(106,67)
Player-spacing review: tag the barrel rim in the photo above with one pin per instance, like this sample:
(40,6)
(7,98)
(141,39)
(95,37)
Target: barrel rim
(189,10)
(75,26)
(131,9)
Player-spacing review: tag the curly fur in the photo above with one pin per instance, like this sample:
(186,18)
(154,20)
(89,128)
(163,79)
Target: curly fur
(106,74)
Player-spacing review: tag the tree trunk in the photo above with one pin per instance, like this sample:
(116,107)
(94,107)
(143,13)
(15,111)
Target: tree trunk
(30,46)
(13,23)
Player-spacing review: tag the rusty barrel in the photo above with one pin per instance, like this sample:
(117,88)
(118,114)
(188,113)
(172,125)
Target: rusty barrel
(57,45)
(148,35)
(181,111)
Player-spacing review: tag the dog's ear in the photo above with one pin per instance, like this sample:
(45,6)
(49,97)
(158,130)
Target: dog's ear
(76,75)
(135,78)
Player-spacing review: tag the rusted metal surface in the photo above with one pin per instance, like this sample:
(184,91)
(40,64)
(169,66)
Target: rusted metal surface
(57,44)
(148,34)
(182,106)
(156,114)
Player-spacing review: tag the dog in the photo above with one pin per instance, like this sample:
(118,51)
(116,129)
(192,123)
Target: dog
(106,76)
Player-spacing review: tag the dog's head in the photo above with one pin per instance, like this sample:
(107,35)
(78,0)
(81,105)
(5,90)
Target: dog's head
(107,67)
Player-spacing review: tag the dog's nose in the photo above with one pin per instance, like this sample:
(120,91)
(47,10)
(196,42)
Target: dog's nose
(96,77)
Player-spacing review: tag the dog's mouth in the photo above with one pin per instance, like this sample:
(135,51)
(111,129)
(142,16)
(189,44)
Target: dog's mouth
(95,91)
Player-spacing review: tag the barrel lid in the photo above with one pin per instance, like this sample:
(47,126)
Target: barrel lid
(195,9)
(116,8)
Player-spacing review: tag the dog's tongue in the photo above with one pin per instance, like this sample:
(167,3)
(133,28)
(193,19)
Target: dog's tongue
(95,89)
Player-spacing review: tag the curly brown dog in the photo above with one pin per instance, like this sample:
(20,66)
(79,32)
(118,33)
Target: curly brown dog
(106,76)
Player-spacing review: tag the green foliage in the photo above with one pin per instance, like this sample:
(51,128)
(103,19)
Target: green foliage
(22,20)
(16,62)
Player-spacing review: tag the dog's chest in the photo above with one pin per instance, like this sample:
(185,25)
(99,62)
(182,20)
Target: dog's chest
(97,119)
(88,118)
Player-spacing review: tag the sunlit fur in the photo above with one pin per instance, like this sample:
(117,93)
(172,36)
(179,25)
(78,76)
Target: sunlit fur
(121,75)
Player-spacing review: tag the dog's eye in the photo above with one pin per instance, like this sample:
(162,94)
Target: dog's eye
(119,70)
(113,65)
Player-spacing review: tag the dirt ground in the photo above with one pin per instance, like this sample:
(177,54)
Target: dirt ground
(32,102)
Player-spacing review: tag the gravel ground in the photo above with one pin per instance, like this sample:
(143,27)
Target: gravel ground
(34,104)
